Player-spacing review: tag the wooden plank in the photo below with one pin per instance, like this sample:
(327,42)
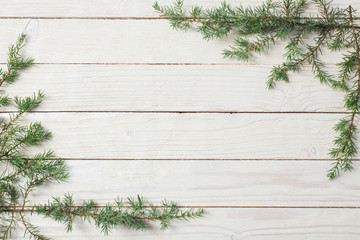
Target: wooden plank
(208,183)
(172,88)
(189,136)
(115,8)
(123,41)
(252,224)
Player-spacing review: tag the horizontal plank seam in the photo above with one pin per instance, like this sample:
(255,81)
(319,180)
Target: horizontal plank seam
(206,206)
(104,18)
(163,64)
(197,159)
(84,18)
(184,112)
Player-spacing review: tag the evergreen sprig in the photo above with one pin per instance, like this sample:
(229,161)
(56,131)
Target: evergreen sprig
(257,28)
(22,174)
(133,213)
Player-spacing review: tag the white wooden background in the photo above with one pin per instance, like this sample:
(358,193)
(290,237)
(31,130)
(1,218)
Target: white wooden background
(136,107)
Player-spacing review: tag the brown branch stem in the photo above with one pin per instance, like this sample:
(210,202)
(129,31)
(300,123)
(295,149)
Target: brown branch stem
(10,68)
(11,122)
(299,36)
(357,51)
(263,42)
(82,214)
(311,54)
(23,220)
(18,172)
(320,25)
(325,10)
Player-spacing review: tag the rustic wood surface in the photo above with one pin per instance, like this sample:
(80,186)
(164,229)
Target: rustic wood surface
(236,136)
(136,107)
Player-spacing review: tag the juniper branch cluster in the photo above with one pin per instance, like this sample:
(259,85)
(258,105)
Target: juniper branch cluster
(334,29)
(22,174)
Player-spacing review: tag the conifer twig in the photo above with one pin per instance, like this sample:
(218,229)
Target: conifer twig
(24,174)
(285,20)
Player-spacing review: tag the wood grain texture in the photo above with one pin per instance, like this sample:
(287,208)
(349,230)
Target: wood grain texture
(233,224)
(189,136)
(115,8)
(208,183)
(173,88)
(115,41)
(260,173)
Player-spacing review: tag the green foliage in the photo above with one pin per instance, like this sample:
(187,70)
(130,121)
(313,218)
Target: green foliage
(333,28)
(22,174)
(136,216)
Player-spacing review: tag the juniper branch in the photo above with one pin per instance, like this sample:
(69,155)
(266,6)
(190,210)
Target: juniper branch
(334,28)
(135,216)
(24,174)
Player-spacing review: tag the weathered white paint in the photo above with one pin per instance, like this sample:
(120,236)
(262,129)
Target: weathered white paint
(139,78)
(116,41)
(189,136)
(232,224)
(208,183)
(116,8)
(173,88)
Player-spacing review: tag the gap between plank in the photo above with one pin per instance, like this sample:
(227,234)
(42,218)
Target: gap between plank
(237,207)
(179,112)
(109,18)
(194,159)
(164,64)
(88,18)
